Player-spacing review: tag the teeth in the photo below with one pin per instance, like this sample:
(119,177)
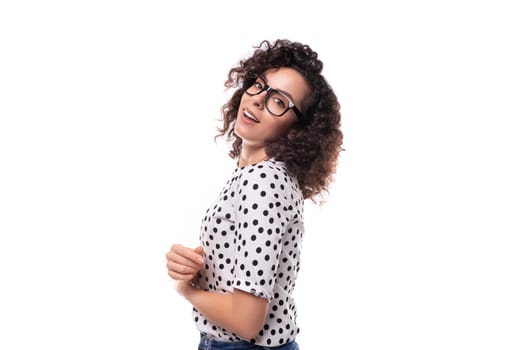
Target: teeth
(249,116)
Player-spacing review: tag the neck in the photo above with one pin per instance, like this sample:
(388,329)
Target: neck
(251,156)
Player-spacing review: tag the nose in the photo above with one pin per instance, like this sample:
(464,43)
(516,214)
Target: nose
(258,100)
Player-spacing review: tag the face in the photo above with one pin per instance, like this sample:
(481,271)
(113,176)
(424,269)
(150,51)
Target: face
(255,124)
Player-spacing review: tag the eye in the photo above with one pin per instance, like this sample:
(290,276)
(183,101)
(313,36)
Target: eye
(258,85)
(278,101)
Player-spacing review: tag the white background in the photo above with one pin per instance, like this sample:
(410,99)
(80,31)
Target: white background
(107,115)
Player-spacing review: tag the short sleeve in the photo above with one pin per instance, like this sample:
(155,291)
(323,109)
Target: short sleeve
(263,210)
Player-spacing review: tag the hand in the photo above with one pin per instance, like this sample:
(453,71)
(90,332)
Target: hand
(184,263)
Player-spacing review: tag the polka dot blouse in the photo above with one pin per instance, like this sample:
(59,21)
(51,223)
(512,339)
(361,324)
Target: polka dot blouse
(252,237)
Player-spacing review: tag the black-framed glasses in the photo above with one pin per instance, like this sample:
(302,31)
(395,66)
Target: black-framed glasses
(277,102)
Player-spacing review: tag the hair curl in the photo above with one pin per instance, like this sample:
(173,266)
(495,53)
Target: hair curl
(310,150)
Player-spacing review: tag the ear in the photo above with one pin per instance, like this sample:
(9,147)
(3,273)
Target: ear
(293,132)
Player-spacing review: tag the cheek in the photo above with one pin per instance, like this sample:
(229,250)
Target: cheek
(281,127)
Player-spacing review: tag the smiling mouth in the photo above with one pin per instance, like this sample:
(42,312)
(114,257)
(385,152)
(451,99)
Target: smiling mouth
(250,116)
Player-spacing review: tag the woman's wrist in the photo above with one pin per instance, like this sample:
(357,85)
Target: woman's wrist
(184,288)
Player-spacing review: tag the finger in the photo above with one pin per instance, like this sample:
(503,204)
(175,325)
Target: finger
(188,253)
(199,250)
(177,271)
(179,276)
(182,269)
(179,259)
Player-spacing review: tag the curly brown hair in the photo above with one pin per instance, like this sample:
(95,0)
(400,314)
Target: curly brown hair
(310,150)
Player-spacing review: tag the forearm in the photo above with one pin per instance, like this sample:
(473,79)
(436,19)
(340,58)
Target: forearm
(240,312)
(217,307)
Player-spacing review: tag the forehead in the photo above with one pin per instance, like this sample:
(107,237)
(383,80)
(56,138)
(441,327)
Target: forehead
(288,80)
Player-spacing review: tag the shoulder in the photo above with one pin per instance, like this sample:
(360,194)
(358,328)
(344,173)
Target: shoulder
(266,171)
(268,175)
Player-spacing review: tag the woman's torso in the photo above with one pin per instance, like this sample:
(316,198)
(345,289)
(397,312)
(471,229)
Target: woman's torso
(252,236)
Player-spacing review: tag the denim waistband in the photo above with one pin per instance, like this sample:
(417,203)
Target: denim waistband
(208,343)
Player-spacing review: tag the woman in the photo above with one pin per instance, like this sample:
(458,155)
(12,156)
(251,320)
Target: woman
(284,123)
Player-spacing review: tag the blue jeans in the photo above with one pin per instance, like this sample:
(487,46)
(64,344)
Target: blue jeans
(211,344)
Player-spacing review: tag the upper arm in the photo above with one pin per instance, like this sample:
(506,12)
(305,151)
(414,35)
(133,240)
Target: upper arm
(262,212)
(262,215)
